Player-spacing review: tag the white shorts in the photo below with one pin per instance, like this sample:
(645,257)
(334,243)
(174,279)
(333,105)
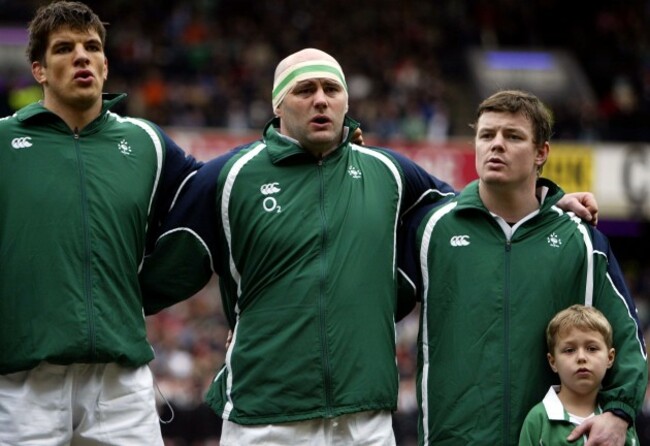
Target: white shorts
(359,429)
(79,404)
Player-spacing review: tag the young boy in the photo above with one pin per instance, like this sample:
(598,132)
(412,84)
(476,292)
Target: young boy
(580,350)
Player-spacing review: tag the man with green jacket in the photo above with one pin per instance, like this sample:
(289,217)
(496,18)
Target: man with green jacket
(300,227)
(80,189)
(491,267)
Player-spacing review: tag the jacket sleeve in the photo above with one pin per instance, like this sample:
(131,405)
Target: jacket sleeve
(186,254)
(420,187)
(625,383)
(177,166)
(408,261)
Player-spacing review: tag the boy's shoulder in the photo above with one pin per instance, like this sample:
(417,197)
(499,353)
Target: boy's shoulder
(537,414)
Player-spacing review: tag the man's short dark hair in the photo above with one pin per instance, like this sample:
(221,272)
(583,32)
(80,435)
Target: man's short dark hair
(517,101)
(60,14)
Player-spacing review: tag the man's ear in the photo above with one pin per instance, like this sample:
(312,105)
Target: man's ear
(542,154)
(39,72)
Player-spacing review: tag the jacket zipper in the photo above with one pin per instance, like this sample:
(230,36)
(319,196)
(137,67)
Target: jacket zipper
(322,299)
(87,289)
(506,333)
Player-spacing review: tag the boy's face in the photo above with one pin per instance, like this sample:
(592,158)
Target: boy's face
(73,71)
(581,359)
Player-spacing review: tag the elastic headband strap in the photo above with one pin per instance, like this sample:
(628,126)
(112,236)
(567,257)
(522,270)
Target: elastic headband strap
(314,69)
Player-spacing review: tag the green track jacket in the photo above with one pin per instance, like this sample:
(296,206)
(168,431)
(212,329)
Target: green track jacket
(74,208)
(489,290)
(305,252)
(549,424)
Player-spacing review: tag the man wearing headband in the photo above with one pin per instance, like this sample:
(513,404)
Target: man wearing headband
(319,100)
(300,227)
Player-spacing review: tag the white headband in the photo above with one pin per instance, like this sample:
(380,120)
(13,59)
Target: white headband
(312,69)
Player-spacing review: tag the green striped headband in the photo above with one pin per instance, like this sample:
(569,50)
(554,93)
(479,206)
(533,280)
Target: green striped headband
(312,69)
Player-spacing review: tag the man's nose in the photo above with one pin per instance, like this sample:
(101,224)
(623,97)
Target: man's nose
(320,98)
(81,55)
(497,142)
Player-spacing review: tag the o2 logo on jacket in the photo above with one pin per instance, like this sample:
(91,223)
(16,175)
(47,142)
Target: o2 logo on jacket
(270,203)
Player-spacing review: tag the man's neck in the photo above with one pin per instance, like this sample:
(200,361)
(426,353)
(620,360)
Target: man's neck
(320,154)
(76,119)
(511,204)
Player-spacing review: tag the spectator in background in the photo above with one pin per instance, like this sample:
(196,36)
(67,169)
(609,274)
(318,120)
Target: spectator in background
(433,44)
(491,267)
(77,184)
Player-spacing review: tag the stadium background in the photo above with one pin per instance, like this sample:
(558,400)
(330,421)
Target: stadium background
(416,70)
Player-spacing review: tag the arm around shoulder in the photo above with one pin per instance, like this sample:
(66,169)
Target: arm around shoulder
(625,383)
(421,187)
(184,257)
(179,266)
(583,204)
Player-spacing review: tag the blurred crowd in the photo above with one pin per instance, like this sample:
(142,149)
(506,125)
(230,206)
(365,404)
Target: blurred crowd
(210,63)
(202,63)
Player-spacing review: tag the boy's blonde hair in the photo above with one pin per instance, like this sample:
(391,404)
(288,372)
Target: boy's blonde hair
(582,318)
